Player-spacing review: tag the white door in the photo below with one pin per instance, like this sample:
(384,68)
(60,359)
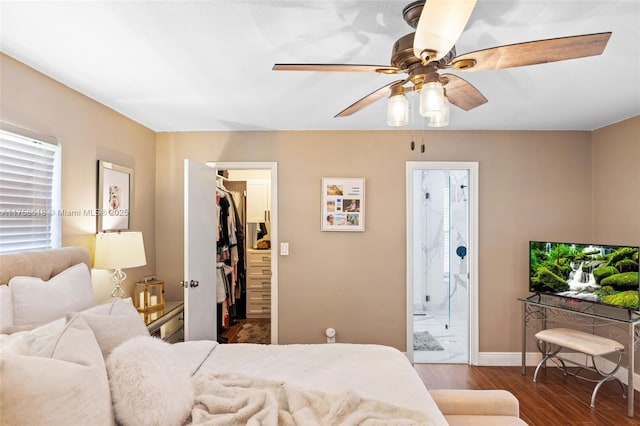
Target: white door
(200,224)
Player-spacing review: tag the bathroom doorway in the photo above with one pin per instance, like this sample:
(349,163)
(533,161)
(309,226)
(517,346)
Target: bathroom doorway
(442,262)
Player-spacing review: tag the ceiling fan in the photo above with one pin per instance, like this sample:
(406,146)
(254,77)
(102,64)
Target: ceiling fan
(420,55)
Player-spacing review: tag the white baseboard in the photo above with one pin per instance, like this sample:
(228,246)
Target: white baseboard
(514,359)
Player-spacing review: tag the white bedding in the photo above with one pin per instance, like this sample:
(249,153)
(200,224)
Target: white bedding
(374,372)
(103,369)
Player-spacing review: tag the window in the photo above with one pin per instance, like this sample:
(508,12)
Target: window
(30,197)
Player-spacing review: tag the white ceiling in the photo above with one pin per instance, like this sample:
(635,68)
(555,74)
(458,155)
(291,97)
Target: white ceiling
(206,65)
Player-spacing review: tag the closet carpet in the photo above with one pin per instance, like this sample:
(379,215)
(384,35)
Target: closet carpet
(250,330)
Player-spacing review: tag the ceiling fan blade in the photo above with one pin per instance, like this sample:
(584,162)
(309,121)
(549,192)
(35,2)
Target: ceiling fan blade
(439,28)
(461,93)
(380,93)
(383,69)
(532,52)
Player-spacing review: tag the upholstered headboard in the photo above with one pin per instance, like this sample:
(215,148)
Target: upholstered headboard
(42,264)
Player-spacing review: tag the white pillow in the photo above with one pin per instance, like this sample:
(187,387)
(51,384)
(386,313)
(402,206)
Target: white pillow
(112,330)
(149,383)
(38,302)
(68,386)
(45,337)
(38,341)
(16,343)
(115,306)
(6,307)
(113,323)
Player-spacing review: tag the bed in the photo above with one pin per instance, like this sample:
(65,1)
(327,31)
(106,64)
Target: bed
(67,361)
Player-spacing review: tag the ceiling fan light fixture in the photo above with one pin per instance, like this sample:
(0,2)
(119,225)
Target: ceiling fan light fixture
(398,111)
(431,99)
(421,54)
(441,119)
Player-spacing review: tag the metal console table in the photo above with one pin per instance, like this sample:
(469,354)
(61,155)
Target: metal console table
(619,324)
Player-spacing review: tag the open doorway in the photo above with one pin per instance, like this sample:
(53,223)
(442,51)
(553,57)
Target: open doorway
(248,312)
(441,262)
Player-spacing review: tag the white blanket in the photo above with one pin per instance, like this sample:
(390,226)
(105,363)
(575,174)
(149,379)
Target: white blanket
(232,399)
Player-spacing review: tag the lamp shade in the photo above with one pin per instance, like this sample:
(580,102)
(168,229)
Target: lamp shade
(398,111)
(119,250)
(441,119)
(431,99)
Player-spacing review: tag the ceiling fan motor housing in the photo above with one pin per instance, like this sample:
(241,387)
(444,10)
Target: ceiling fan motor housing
(403,58)
(402,55)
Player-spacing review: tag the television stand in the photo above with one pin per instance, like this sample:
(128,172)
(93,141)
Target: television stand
(621,325)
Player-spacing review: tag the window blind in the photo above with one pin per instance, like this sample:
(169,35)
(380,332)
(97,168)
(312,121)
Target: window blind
(29,193)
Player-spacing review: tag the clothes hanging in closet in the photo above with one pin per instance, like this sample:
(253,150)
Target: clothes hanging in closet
(224,293)
(230,253)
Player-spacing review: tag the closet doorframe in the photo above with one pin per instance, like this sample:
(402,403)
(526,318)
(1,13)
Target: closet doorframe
(273,168)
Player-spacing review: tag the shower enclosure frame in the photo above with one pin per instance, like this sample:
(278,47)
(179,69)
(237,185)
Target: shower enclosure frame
(472,168)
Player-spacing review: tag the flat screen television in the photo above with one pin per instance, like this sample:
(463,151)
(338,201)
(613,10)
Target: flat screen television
(606,274)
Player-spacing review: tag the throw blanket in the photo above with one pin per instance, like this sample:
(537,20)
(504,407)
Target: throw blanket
(231,399)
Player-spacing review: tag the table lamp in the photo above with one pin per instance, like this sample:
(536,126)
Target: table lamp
(119,250)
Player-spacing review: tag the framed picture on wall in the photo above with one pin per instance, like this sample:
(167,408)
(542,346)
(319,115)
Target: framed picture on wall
(114,197)
(342,204)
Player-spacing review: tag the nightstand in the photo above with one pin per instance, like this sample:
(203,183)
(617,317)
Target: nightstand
(168,323)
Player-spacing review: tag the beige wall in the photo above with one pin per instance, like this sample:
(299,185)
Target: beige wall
(355,282)
(88,131)
(616,183)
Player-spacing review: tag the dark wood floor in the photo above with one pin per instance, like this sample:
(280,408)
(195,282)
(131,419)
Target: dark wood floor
(553,400)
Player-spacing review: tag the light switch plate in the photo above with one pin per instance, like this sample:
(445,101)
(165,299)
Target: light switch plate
(284,249)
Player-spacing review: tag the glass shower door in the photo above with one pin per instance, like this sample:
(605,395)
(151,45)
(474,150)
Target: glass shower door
(441,217)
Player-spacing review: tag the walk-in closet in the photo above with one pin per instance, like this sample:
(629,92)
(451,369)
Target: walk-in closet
(243,256)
